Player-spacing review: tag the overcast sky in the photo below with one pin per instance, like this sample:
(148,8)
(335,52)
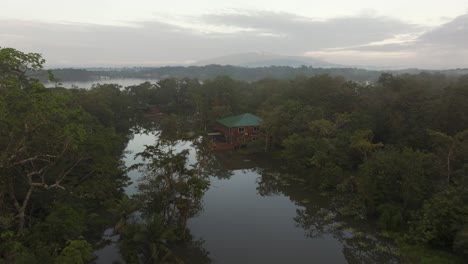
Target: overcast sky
(397,33)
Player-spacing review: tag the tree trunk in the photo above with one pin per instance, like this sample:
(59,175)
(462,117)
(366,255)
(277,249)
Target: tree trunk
(22,209)
(449,157)
(21,220)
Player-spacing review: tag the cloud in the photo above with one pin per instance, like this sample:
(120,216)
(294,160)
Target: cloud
(441,47)
(150,43)
(315,34)
(355,40)
(452,34)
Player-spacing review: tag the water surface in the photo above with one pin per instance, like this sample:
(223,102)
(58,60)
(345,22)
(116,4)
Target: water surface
(241,226)
(124,82)
(256,214)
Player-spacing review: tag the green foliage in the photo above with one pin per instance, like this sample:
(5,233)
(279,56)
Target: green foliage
(60,162)
(441,219)
(449,149)
(168,183)
(331,175)
(122,209)
(14,65)
(290,117)
(76,252)
(460,243)
(64,223)
(424,255)
(170,193)
(12,250)
(390,217)
(297,151)
(361,141)
(395,176)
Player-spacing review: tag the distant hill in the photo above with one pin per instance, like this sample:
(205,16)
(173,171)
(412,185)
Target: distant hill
(262,59)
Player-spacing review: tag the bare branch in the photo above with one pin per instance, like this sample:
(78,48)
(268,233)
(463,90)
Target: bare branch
(46,186)
(35,158)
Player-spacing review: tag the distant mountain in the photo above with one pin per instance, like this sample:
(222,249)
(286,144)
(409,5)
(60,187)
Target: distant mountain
(261,59)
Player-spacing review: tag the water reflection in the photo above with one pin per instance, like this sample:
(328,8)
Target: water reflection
(252,213)
(241,226)
(170,191)
(317,216)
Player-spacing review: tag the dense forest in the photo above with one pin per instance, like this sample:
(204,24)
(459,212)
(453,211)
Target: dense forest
(60,164)
(393,153)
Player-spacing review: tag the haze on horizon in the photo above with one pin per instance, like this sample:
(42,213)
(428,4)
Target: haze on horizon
(400,34)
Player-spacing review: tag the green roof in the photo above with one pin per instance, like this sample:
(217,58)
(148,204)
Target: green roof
(241,120)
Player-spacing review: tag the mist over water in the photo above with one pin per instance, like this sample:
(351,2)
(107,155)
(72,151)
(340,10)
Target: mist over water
(124,82)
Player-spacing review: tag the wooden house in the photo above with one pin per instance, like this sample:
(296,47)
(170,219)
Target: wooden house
(240,129)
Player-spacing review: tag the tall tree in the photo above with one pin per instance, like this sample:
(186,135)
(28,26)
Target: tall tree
(40,133)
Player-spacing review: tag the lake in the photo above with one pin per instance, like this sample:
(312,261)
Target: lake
(124,82)
(257,214)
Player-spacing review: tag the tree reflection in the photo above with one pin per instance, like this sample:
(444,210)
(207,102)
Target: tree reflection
(208,163)
(192,251)
(317,221)
(268,185)
(318,218)
(171,191)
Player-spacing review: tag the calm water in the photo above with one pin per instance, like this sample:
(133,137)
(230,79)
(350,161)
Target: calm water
(255,216)
(241,226)
(88,84)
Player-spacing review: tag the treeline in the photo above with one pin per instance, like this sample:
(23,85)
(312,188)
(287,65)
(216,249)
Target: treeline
(235,72)
(61,173)
(207,72)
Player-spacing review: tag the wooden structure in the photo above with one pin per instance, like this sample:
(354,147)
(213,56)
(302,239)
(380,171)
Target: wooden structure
(151,110)
(235,131)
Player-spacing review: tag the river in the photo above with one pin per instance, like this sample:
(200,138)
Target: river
(254,215)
